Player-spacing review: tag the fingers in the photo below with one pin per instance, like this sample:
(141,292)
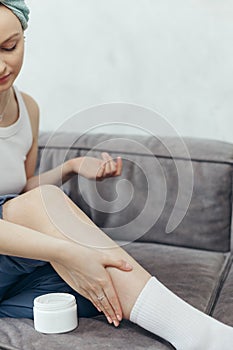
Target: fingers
(118,166)
(111,168)
(103,297)
(109,302)
(120,264)
(100,173)
(103,300)
(106,301)
(111,305)
(109,165)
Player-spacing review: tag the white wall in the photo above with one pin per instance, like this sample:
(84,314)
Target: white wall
(171,56)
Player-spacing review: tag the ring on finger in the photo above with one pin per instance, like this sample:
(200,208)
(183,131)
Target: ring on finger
(101,297)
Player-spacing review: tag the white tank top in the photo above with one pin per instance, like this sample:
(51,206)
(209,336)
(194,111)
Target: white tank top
(15,142)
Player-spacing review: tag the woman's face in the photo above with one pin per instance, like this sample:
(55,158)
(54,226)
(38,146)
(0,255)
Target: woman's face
(11,48)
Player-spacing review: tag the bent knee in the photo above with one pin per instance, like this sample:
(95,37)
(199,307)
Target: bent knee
(9,208)
(23,204)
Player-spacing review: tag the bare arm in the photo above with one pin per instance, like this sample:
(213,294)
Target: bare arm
(91,168)
(21,241)
(70,258)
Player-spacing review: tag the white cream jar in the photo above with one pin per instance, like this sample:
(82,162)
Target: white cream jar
(55,313)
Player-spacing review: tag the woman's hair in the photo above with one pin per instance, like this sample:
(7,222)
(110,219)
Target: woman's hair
(20,9)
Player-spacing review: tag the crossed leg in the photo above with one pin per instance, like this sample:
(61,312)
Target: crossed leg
(144,300)
(48,210)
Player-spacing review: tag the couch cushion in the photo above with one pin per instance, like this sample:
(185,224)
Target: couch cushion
(140,204)
(92,334)
(193,275)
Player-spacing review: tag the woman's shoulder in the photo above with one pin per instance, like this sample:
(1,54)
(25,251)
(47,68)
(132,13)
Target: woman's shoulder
(30,103)
(33,110)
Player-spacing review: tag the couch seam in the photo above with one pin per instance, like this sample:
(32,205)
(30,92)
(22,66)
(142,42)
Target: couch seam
(7,347)
(231,214)
(231,253)
(170,244)
(226,162)
(219,284)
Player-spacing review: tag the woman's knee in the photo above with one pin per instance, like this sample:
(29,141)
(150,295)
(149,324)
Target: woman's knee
(25,203)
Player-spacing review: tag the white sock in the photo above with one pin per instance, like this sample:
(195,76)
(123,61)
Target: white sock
(161,312)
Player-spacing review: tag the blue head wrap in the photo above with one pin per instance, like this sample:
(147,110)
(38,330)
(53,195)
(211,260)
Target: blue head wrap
(20,9)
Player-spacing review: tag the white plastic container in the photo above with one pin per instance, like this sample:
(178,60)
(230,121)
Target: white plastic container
(55,313)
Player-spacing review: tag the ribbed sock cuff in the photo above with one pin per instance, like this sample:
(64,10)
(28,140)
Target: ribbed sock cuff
(141,299)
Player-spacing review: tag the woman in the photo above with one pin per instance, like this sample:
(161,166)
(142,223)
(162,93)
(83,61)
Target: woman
(34,251)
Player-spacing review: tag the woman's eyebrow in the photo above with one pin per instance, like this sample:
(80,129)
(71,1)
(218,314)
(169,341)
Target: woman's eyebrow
(12,36)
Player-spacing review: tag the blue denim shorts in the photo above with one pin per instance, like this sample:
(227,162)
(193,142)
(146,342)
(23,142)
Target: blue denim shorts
(4,199)
(22,279)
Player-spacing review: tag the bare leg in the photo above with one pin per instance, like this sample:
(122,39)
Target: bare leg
(143,298)
(47,209)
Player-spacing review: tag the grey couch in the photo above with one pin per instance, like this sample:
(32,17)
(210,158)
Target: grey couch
(194,260)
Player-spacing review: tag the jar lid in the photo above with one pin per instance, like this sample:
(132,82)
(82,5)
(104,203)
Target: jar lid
(54,301)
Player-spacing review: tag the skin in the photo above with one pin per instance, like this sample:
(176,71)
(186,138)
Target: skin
(62,234)
(33,234)
(11,60)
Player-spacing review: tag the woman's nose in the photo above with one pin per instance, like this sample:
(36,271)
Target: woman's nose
(2,66)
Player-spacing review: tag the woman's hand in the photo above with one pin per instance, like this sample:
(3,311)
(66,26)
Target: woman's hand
(94,168)
(84,269)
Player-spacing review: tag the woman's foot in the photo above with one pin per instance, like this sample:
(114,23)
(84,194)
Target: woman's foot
(163,313)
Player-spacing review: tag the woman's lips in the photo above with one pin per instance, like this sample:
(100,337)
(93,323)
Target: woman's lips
(5,78)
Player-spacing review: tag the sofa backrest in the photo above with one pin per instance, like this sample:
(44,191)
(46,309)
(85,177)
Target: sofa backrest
(172,191)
